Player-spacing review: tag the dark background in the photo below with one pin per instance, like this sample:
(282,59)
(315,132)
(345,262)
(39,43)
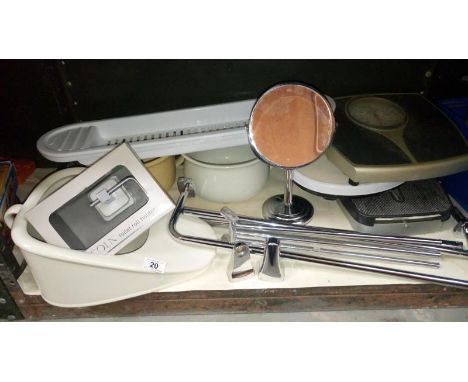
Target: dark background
(39,95)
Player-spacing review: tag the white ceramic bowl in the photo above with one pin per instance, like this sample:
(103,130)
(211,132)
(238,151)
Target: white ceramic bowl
(226,175)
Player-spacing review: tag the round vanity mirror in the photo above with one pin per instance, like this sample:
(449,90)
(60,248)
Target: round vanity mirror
(291,125)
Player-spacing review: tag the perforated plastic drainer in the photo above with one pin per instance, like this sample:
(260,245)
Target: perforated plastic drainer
(151,135)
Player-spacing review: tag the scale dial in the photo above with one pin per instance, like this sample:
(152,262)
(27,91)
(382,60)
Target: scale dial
(376,113)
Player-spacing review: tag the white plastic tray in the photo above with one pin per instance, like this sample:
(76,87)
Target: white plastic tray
(151,135)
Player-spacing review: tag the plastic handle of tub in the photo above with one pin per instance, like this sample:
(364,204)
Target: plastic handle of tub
(11,213)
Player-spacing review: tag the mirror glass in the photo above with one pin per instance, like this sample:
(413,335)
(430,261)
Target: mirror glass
(291,125)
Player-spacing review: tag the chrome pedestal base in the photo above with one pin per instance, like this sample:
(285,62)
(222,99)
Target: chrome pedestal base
(299,212)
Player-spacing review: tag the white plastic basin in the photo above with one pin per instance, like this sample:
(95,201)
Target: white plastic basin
(71,278)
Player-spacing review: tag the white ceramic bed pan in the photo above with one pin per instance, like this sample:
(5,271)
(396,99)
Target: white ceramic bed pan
(228,175)
(71,278)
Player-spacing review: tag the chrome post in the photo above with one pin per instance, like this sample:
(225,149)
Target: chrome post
(271,267)
(240,264)
(288,195)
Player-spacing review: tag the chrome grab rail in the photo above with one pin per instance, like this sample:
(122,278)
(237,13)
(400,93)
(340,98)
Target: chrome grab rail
(187,189)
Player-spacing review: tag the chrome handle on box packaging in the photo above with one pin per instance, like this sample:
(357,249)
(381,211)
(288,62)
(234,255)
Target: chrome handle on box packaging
(104,195)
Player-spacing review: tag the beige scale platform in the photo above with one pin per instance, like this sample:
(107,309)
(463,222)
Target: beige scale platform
(395,138)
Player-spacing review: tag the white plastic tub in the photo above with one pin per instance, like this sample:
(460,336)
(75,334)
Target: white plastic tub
(71,278)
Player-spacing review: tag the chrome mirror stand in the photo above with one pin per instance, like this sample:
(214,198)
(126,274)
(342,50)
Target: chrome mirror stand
(288,208)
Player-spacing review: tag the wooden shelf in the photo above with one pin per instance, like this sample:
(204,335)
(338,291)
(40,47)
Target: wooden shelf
(400,296)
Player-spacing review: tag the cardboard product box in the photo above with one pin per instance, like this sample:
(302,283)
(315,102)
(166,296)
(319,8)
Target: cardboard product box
(8,186)
(103,208)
